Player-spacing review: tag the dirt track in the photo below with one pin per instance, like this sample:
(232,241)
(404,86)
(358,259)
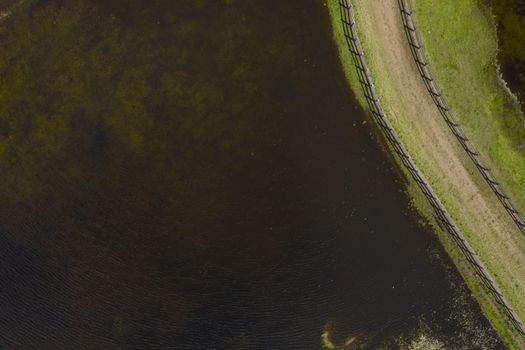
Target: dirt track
(473,206)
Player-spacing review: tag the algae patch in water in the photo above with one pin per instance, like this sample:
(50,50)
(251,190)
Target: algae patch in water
(96,94)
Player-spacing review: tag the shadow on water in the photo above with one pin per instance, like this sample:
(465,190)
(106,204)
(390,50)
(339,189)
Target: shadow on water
(196,176)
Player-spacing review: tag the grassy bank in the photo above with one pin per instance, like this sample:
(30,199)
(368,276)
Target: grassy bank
(392,96)
(489,115)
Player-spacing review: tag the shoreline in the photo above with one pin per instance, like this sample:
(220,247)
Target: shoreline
(417,48)
(398,113)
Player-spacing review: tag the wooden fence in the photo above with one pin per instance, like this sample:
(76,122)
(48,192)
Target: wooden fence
(423,66)
(354,45)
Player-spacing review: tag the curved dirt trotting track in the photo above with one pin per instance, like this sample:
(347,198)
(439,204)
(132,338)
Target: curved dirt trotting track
(416,47)
(470,201)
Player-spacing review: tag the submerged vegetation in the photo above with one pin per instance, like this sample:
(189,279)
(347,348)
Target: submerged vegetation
(143,151)
(118,130)
(99,95)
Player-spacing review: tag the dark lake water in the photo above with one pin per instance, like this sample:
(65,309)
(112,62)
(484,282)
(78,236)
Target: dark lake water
(196,175)
(510,19)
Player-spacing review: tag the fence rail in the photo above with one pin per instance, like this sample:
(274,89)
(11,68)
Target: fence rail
(418,52)
(354,45)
